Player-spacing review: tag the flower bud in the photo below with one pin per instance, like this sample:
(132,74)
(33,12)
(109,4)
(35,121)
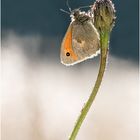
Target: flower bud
(104,15)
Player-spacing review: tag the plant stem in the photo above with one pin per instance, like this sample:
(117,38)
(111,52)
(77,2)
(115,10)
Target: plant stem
(104,39)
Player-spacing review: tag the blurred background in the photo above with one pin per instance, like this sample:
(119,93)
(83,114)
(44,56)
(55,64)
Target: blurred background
(42,98)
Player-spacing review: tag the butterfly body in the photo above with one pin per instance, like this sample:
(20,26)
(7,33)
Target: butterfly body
(81,40)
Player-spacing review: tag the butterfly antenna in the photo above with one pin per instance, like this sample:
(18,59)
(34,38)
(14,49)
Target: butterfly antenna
(65,11)
(85,6)
(67,3)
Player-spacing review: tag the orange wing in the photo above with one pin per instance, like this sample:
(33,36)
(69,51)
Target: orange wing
(67,44)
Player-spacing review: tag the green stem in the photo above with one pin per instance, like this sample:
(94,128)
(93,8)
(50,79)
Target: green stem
(104,38)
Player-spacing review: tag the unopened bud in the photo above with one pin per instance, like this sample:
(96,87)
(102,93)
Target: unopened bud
(104,15)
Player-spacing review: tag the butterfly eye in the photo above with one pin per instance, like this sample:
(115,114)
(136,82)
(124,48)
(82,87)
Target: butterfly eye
(67,54)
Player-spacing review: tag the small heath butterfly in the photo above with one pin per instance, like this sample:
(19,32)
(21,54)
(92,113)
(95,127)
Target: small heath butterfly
(81,40)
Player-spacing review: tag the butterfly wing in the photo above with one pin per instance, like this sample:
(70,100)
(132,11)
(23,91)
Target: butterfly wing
(80,43)
(85,40)
(67,54)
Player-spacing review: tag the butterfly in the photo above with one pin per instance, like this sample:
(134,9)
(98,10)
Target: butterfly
(81,40)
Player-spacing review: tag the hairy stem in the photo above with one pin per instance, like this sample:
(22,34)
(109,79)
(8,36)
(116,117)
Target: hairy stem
(104,39)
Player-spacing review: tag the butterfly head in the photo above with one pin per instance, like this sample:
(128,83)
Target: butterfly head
(79,16)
